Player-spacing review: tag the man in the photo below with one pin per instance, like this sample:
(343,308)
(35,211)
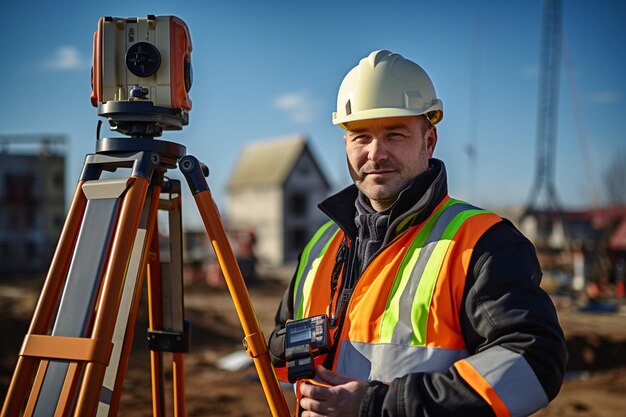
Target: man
(434,305)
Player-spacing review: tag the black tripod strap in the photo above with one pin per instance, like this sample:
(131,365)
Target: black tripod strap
(346,257)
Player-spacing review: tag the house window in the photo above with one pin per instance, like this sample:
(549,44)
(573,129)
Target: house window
(298,237)
(22,188)
(298,204)
(58,179)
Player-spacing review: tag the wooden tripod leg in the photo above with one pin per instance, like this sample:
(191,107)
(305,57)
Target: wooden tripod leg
(254,341)
(109,297)
(32,400)
(155,322)
(47,303)
(76,268)
(168,332)
(178,381)
(176,316)
(144,242)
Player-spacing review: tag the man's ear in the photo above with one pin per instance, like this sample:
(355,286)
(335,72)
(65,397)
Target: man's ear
(431,140)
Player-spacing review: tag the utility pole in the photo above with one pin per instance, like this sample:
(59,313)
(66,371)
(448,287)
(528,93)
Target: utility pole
(471,149)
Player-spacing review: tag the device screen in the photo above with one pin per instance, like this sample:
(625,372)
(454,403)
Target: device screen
(299,335)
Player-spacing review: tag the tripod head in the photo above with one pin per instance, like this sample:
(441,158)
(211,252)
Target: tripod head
(142,118)
(142,74)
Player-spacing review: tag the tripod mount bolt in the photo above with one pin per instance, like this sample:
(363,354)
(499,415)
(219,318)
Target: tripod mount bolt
(138,92)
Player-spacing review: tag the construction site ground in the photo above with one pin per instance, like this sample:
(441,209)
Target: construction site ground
(595,383)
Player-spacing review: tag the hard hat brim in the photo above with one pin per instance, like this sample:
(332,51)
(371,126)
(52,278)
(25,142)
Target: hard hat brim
(387,112)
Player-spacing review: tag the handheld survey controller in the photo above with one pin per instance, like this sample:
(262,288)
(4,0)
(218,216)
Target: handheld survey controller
(304,340)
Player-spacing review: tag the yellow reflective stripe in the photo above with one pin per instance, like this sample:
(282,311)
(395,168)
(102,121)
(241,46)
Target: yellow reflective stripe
(309,262)
(391,315)
(308,285)
(417,276)
(423,295)
(392,311)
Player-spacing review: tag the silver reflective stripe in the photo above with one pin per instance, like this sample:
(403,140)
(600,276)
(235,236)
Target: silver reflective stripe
(387,361)
(404,329)
(512,379)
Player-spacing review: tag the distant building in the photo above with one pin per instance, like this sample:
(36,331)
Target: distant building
(597,227)
(32,201)
(587,246)
(273,193)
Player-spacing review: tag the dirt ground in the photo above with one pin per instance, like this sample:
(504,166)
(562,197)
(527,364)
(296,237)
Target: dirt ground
(595,383)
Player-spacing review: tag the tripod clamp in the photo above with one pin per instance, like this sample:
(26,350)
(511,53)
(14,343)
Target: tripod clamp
(195,172)
(170,341)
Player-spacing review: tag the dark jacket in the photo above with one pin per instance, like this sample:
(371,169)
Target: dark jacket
(503,305)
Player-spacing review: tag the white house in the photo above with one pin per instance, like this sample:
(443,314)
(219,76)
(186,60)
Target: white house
(274,191)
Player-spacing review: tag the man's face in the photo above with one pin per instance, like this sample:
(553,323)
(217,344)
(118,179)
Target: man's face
(385,155)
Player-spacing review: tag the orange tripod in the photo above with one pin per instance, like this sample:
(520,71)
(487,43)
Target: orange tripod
(74,356)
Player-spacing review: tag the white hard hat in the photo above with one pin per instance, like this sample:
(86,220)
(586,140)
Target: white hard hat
(385,84)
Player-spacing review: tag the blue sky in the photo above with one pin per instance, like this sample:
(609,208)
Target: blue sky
(272,69)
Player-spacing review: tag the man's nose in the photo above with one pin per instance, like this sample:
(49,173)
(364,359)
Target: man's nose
(377,150)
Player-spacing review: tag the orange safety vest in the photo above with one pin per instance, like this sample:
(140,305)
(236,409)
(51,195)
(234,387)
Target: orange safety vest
(403,315)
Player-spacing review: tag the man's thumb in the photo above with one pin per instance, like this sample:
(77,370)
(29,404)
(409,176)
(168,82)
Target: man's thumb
(330,377)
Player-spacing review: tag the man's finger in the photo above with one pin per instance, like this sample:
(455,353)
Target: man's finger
(310,414)
(331,377)
(319,392)
(311,404)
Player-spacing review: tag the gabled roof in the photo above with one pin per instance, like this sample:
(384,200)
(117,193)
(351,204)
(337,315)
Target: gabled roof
(269,162)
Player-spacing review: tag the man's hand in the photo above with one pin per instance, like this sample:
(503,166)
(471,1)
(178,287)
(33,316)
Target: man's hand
(342,398)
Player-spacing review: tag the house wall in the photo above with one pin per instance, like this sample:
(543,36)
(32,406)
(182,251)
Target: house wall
(303,191)
(259,208)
